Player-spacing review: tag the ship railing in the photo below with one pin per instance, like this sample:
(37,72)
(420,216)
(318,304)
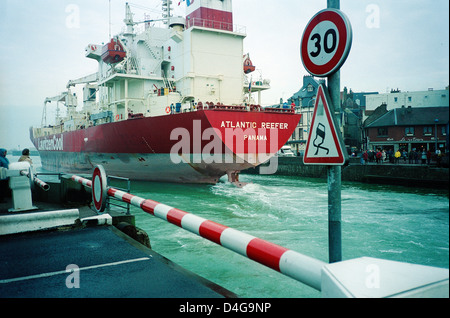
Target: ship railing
(302,268)
(212,24)
(251,107)
(57,176)
(220,106)
(279,110)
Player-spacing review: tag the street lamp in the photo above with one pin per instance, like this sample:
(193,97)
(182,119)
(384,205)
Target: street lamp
(435,135)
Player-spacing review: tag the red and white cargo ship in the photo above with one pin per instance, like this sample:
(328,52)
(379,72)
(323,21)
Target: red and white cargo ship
(168,103)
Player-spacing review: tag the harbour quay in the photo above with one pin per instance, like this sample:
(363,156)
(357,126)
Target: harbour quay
(409,175)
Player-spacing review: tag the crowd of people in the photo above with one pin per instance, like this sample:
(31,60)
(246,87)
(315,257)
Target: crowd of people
(415,156)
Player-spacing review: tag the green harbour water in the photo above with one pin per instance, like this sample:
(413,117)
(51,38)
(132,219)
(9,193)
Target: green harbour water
(388,222)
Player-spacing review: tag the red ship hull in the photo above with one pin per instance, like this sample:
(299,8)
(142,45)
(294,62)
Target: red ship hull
(193,147)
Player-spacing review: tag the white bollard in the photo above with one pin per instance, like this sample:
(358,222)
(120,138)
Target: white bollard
(20,187)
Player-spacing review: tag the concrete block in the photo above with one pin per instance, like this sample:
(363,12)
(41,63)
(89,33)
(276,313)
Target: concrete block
(27,222)
(368,277)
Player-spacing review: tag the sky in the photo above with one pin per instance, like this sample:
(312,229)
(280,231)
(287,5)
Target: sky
(400,44)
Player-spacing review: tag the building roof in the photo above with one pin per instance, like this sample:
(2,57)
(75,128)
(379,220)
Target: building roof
(353,99)
(304,94)
(412,116)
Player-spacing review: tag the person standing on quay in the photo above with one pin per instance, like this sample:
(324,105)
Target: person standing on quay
(405,155)
(424,157)
(397,156)
(26,156)
(428,157)
(378,156)
(4,163)
(416,156)
(438,158)
(365,157)
(411,156)
(371,155)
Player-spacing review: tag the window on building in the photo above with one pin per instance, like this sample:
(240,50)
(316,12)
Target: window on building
(382,131)
(310,88)
(409,98)
(409,131)
(443,131)
(395,99)
(427,130)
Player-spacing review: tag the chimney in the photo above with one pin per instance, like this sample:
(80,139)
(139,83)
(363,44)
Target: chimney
(210,13)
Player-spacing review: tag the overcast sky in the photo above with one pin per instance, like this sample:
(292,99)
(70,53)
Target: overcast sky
(396,44)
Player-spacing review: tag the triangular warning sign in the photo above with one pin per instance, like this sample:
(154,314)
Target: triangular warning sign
(325,145)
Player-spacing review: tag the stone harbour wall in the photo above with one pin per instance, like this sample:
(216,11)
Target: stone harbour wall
(415,175)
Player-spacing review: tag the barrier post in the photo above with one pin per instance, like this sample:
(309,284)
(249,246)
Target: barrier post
(334,172)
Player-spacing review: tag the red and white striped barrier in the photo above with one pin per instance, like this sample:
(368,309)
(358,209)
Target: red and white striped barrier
(83,181)
(295,265)
(44,186)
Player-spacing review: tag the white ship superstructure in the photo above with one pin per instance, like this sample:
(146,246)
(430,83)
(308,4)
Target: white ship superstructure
(194,59)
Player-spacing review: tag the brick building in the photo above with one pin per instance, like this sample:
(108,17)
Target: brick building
(408,128)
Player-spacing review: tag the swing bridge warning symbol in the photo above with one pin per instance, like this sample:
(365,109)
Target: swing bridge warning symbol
(325,144)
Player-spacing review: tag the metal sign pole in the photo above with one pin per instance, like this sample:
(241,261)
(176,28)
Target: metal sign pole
(334,172)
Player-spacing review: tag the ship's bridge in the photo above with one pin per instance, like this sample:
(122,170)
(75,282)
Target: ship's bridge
(256,86)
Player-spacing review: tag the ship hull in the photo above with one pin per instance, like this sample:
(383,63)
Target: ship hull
(193,147)
(148,167)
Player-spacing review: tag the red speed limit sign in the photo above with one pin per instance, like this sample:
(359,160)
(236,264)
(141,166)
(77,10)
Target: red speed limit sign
(326,42)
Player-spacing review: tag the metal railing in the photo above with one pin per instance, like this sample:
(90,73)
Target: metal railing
(300,267)
(127,190)
(212,24)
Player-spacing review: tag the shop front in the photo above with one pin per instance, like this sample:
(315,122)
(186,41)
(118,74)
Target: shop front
(408,144)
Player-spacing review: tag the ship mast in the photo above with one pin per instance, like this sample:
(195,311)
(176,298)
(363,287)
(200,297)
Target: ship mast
(109,19)
(128,21)
(167,8)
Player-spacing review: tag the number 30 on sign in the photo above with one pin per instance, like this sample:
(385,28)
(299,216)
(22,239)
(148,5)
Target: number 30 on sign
(326,42)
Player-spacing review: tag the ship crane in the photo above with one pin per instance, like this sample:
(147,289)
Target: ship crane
(69,100)
(89,90)
(129,17)
(59,98)
(130,23)
(92,78)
